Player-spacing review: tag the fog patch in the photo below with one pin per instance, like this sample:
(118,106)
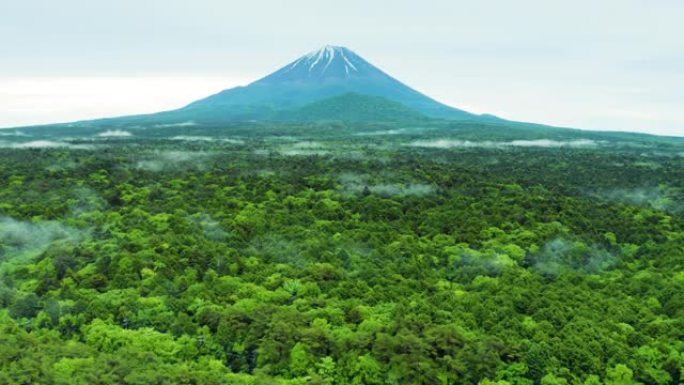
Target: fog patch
(562,255)
(359,184)
(275,248)
(192,138)
(410,189)
(12,133)
(261,152)
(47,144)
(351,154)
(308,145)
(25,240)
(114,134)
(311,148)
(171,160)
(85,200)
(211,228)
(304,148)
(648,165)
(553,143)
(199,138)
(65,165)
(189,123)
(232,141)
(266,173)
(281,138)
(381,133)
(448,143)
(472,262)
(659,198)
(547,143)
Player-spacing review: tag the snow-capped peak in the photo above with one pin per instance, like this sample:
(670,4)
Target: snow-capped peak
(328,50)
(328,63)
(321,59)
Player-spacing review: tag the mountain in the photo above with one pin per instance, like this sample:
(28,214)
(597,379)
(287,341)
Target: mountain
(328,72)
(352,107)
(332,83)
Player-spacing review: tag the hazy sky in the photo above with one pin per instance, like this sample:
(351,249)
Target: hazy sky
(601,64)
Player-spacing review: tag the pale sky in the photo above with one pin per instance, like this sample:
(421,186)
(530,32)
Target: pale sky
(595,64)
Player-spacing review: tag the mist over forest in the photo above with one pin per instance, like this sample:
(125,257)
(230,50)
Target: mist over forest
(398,254)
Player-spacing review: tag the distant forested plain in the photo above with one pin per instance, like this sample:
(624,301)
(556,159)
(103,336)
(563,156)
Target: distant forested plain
(325,255)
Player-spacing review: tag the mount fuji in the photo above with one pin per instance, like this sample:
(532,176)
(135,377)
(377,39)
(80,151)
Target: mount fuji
(326,73)
(330,84)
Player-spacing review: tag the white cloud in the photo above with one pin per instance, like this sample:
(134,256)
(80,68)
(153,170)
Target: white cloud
(179,124)
(173,160)
(47,144)
(450,143)
(381,133)
(200,138)
(114,134)
(27,239)
(193,138)
(12,133)
(552,143)
(304,148)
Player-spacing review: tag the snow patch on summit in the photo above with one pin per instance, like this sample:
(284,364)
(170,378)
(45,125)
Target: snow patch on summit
(327,54)
(348,63)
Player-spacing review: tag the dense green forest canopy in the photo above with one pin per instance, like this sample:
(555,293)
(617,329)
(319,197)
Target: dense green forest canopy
(386,256)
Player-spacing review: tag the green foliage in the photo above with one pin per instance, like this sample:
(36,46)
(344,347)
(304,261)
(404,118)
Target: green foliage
(371,262)
(620,375)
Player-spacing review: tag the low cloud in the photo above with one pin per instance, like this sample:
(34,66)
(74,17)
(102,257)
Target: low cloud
(261,152)
(85,200)
(358,184)
(381,133)
(211,228)
(63,165)
(561,255)
(305,148)
(305,152)
(179,124)
(278,249)
(191,138)
(172,160)
(36,144)
(308,145)
(553,143)
(410,189)
(11,133)
(470,261)
(659,198)
(25,240)
(114,134)
(448,143)
(199,138)
(311,148)
(547,143)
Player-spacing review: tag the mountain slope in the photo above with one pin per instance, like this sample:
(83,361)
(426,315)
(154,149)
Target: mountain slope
(352,107)
(286,94)
(328,72)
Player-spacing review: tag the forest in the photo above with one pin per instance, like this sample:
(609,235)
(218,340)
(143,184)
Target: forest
(382,257)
